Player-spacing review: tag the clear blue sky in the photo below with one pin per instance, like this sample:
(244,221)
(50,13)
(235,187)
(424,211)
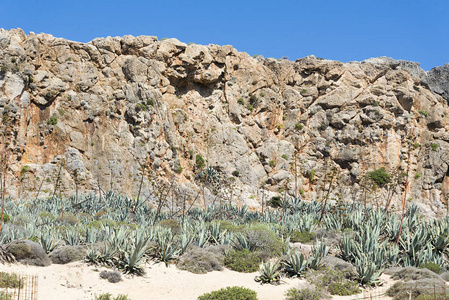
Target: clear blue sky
(343,30)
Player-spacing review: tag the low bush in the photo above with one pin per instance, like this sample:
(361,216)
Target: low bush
(10,280)
(412,273)
(333,281)
(111,276)
(302,237)
(202,260)
(436,268)
(380,176)
(305,294)
(171,224)
(68,218)
(67,254)
(416,288)
(262,239)
(242,261)
(230,293)
(226,225)
(108,296)
(275,202)
(343,289)
(28,252)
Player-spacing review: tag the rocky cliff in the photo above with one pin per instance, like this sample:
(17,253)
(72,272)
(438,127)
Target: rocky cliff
(96,112)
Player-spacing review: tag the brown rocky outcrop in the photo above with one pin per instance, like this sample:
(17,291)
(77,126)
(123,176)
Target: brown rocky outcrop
(108,105)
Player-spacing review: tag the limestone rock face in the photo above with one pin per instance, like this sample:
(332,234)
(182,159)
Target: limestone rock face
(98,111)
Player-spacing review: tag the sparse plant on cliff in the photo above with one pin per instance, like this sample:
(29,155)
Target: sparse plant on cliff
(434,146)
(380,176)
(423,113)
(53,120)
(299,126)
(200,163)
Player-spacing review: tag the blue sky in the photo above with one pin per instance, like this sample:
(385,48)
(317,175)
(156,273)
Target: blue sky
(343,30)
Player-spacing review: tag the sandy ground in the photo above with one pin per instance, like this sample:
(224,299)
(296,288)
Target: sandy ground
(81,281)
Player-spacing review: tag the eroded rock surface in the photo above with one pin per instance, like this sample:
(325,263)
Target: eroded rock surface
(106,106)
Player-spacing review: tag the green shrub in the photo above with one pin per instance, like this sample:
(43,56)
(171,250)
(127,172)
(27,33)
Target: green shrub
(52,121)
(200,162)
(312,175)
(417,176)
(261,238)
(304,294)
(230,293)
(10,280)
(6,218)
(302,237)
(171,224)
(141,107)
(235,173)
(333,280)
(150,102)
(68,218)
(178,170)
(275,202)
(250,107)
(343,289)
(299,126)
(108,296)
(380,176)
(242,261)
(423,113)
(24,169)
(284,156)
(241,101)
(272,163)
(436,268)
(226,225)
(434,146)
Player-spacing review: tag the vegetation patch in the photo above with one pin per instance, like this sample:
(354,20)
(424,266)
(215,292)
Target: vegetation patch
(302,237)
(230,293)
(243,261)
(305,294)
(380,176)
(200,261)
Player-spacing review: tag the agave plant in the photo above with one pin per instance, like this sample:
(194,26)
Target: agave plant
(131,260)
(93,256)
(72,237)
(269,272)
(367,271)
(48,242)
(319,252)
(167,248)
(296,264)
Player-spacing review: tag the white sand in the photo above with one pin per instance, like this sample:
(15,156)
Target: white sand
(80,281)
